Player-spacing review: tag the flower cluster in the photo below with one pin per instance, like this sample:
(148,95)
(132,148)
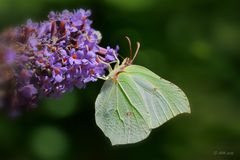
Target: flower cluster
(52,57)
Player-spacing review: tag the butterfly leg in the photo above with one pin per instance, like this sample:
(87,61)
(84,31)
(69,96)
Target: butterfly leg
(104,78)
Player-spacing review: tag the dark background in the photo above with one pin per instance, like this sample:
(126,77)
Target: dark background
(193,43)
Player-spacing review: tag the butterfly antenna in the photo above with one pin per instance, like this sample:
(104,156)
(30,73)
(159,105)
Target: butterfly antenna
(121,56)
(136,52)
(130,46)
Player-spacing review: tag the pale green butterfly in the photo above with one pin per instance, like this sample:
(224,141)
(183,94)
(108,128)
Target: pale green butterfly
(134,100)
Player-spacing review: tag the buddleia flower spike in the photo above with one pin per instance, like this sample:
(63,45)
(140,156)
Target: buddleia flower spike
(54,56)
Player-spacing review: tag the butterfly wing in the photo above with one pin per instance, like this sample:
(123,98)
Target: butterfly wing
(163,99)
(117,116)
(127,109)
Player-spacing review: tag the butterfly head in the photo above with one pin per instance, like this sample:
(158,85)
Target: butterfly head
(114,73)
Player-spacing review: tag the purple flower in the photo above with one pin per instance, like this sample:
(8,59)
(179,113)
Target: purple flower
(56,55)
(58,72)
(28,91)
(110,54)
(10,56)
(75,57)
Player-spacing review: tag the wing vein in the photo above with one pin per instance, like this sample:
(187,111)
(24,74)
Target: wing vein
(147,90)
(145,74)
(166,117)
(129,101)
(120,116)
(106,100)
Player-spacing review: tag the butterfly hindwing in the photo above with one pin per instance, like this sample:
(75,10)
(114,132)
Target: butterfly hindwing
(115,114)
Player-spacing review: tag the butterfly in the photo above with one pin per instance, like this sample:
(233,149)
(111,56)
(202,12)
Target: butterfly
(134,100)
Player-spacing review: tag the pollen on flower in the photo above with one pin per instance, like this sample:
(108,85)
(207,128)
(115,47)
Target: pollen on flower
(74,56)
(91,72)
(52,57)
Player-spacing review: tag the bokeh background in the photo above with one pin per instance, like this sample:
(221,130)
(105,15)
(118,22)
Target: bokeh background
(193,43)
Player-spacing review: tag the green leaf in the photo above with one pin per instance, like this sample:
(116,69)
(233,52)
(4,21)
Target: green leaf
(131,105)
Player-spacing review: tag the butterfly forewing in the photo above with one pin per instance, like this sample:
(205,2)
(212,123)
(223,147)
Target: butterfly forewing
(117,116)
(163,99)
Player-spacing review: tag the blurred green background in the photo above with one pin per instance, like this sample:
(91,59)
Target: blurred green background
(193,43)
